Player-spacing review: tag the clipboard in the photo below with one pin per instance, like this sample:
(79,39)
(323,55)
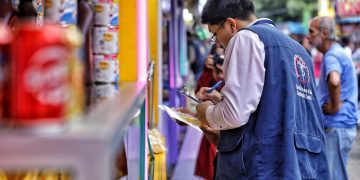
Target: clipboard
(185,118)
(187,94)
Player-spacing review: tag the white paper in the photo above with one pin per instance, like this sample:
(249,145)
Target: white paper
(185,118)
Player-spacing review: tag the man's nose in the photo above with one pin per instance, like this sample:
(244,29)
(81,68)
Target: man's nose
(309,39)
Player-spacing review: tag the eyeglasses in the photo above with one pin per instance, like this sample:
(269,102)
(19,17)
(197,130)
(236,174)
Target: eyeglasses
(213,37)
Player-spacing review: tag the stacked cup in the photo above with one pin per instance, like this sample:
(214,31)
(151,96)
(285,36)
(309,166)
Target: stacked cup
(62,12)
(105,41)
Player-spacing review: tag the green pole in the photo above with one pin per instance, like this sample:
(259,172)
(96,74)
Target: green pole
(142,142)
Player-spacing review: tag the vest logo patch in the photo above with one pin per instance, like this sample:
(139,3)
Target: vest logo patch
(301,70)
(303,75)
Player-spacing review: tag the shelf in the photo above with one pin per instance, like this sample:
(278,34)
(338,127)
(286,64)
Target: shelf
(87,148)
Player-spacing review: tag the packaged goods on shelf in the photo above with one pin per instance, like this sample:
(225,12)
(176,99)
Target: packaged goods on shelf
(114,16)
(63,12)
(36,174)
(157,141)
(43,74)
(105,40)
(106,13)
(104,92)
(38,4)
(106,68)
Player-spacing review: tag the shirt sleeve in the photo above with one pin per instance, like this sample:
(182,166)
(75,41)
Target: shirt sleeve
(244,73)
(331,64)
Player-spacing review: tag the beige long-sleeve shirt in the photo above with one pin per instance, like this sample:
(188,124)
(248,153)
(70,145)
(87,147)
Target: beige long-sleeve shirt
(244,81)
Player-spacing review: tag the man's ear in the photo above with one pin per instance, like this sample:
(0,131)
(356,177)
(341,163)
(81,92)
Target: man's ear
(232,24)
(324,33)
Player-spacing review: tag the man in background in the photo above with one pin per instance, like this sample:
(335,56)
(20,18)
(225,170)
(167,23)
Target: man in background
(337,93)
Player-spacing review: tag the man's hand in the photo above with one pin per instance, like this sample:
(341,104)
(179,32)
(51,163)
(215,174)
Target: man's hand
(211,134)
(214,96)
(201,112)
(329,108)
(183,110)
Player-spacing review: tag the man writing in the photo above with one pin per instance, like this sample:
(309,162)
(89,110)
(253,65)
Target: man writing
(267,112)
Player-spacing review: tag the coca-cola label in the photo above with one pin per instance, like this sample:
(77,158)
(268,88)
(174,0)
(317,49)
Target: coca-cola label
(46,77)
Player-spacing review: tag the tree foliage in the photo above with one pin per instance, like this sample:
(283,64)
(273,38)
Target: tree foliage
(285,10)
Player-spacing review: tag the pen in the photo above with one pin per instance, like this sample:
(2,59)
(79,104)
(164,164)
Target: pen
(214,87)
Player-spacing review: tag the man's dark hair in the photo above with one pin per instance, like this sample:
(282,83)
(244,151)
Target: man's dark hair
(216,11)
(345,41)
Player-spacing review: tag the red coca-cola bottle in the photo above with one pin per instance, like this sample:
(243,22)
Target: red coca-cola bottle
(39,82)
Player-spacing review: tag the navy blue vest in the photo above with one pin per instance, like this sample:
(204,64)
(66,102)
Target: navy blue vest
(284,137)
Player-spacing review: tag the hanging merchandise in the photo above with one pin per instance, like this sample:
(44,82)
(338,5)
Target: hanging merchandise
(42,76)
(63,12)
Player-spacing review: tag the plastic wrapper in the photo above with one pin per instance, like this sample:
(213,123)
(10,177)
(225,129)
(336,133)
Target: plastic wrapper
(157,141)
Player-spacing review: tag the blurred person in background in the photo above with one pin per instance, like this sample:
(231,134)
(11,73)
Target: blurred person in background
(306,44)
(196,54)
(316,57)
(356,56)
(267,112)
(212,70)
(345,42)
(356,60)
(337,94)
(211,74)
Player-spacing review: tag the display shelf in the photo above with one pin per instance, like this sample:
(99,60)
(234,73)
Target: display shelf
(87,148)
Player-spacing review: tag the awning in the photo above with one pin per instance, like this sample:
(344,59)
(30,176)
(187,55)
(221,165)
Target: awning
(349,20)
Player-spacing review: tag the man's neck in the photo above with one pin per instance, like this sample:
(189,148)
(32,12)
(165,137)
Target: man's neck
(327,45)
(240,24)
